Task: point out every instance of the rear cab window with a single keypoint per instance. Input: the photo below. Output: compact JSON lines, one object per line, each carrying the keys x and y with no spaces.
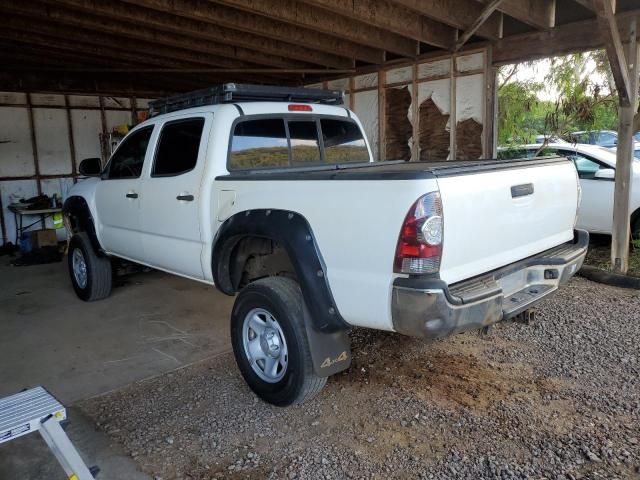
{"x":295,"y":141}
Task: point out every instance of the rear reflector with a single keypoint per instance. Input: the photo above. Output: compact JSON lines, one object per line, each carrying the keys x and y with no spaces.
{"x":300,"y":108}
{"x":419,"y":248}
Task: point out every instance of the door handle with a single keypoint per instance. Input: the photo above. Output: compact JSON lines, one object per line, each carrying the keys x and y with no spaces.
{"x":132,"y":195}
{"x":185,"y":198}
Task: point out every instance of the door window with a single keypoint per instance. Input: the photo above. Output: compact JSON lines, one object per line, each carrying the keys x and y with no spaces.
{"x":259,"y":144}
{"x":585,"y":166}
{"x":305,"y":146}
{"x":128,"y":159}
{"x":607,"y":138}
{"x":343,"y":141}
{"x":178,"y":147}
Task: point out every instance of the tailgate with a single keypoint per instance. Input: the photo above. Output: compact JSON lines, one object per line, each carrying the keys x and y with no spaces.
{"x":499,"y":214}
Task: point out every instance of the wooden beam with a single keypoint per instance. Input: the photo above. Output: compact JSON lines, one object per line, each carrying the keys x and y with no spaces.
{"x":49,"y":42}
{"x":313,"y":18}
{"x":91,"y":69}
{"x":459,"y":14}
{"x":109,"y":44}
{"x":588,"y":4}
{"x":613,"y":44}
{"x":75,"y":11}
{"x":37,"y":83}
{"x":561,"y":40}
{"x":537,"y":13}
{"x":386,"y":15}
{"x":621,"y":231}
{"x":218,"y":15}
{"x":487,"y":11}
{"x":129,"y":30}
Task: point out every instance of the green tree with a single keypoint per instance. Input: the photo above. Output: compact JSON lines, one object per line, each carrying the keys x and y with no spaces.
{"x":585,"y":99}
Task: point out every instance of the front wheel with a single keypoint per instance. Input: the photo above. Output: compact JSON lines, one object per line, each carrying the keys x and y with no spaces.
{"x":91,"y":275}
{"x":270,"y":342}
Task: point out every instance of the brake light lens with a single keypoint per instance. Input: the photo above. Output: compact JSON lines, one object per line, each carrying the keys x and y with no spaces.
{"x":300,"y":108}
{"x":419,"y":248}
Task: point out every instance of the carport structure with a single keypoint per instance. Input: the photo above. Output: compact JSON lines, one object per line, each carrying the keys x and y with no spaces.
{"x":419,"y":73}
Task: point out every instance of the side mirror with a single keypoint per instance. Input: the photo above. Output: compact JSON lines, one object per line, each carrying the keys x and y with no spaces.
{"x":90,"y":167}
{"x":605,"y":174}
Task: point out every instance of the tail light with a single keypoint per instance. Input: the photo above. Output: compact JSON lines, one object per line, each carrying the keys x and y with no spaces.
{"x":419,"y":247}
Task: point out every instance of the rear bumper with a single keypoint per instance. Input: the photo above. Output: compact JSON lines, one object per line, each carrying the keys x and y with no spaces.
{"x":429,"y":309}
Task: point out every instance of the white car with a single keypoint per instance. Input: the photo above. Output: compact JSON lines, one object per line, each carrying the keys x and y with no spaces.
{"x":596,"y":168}
{"x":271,"y":194}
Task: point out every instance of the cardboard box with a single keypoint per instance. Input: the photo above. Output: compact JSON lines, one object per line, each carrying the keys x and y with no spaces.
{"x":44,"y":238}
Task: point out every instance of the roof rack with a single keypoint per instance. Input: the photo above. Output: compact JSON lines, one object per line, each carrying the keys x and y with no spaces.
{"x":238,"y":92}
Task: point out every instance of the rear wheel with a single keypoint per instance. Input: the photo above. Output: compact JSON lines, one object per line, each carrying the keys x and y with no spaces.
{"x":270,"y":342}
{"x":91,"y":275}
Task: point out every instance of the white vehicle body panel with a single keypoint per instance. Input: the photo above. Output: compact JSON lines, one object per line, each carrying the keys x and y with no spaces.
{"x":485,"y":228}
{"x":356,"y":228}
{"x":595,"y":213}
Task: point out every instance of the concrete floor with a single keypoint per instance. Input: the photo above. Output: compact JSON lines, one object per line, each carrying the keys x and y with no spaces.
{"x":151,"y":324}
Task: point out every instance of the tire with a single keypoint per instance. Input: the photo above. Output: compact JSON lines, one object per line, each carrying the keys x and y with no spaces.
{"x":96,"y":282}
{"x":292,"y":380}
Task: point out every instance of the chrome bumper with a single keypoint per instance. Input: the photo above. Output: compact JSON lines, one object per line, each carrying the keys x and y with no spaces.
{"x":429,"y":309}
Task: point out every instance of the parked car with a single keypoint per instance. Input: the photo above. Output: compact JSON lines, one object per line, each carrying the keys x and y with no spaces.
{"x":281,"y":204}
{"x":540,"y":139}
{"x":603,"y":138}
{"x":636,"y":150}
{"x":596,"y":168}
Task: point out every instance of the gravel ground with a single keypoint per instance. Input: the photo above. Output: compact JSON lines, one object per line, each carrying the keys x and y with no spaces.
{"x":557,"y":399}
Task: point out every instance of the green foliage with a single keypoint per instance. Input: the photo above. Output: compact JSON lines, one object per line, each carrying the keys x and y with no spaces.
{"x":583,"y":103}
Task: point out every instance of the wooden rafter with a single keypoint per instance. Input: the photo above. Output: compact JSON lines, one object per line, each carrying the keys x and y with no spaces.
{"x":486,"y":12}
{"x":297,"y":13}
{"x":615,"y":51}
{"x":537,"y":13}
{"x":459,"y":14}
{"x":156,"y":13}
{"x":588,"y":4}
{"x":128,"y":30}
{"x":125,"y":19}
{"x":568,"y":38}
{"x":386,"y":15}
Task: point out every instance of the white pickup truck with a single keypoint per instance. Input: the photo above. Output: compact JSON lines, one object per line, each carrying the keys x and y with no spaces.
{"x":271,"y":194}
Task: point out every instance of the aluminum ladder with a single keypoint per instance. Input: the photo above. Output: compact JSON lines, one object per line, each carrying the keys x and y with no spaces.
{"x":37,"y":410}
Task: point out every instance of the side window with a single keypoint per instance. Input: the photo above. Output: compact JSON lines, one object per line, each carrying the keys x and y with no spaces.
{"x":305,"y":146}
{"x":178,"y":147}
{"x":586,"y":167}
{"x":607,"y":138}
{"x":259,"y":144}
{"x":128,"y":159}
{"x":343,"y":141}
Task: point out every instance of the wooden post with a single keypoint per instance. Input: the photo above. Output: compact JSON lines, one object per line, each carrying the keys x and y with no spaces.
{"x":621,"y":232}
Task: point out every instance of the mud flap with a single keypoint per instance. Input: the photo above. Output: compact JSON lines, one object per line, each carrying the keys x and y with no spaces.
{"x":330,"y":352}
